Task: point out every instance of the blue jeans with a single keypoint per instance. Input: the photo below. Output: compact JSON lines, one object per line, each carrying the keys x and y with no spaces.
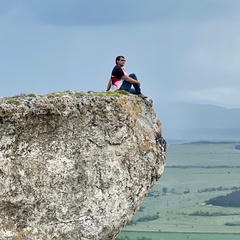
{"x":129,"y":87}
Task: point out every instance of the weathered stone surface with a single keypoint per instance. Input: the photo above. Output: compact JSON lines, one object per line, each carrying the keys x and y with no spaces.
{"x":73,"y":166}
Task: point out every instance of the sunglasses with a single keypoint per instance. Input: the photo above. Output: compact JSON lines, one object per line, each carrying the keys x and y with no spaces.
{"x":123,"y":60}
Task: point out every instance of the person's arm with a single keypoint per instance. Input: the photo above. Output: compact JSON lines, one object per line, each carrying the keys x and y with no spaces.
{"x":109,"y":84}
{"x":131,"y":80}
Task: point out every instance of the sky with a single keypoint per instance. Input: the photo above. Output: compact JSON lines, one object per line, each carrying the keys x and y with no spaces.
{"x":181,"y":50}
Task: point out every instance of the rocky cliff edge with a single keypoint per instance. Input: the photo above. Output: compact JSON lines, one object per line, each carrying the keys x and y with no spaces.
{"x":75,"y":165}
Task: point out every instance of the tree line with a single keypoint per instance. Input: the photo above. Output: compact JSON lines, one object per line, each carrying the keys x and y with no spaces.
{"x":128,"y":238}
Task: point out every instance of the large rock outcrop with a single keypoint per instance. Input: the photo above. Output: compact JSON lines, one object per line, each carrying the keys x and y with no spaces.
{"x":75,"y":165}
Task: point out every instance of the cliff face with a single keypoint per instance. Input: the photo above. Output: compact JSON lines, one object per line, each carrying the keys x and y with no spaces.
{"x":75,"y":165}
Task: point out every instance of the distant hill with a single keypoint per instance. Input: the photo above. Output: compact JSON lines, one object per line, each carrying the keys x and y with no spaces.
{"x":199,"y":122}
{"x":237,"y":147}
{"x":230,"y":200}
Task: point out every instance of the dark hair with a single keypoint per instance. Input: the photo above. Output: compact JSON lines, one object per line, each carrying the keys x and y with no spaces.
{"x":118,"y":58}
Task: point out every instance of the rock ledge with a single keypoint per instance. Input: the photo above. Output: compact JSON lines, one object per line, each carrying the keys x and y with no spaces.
{"x":75,"y":165}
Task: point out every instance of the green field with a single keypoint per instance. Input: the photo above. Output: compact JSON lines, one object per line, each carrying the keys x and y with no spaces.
{"x":179,"y":236}
{"x":193,"y":174}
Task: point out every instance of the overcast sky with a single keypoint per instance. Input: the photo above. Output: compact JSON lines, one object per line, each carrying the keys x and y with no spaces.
{"x":181,"y":50}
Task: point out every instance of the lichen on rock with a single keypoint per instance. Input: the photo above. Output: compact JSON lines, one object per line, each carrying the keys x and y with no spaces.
{"x":75,"y":165}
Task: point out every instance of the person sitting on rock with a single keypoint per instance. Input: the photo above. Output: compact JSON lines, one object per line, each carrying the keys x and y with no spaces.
{"x":120,"y":80}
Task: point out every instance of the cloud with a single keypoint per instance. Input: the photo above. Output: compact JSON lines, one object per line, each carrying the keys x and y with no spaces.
{"x":87,"y":12}
{"x":92,"y":12}
{"x":105,"y":12}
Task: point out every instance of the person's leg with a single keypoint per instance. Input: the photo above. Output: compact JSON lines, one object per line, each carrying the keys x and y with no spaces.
{"x":125,"y":86}
{"x":136,"y":89}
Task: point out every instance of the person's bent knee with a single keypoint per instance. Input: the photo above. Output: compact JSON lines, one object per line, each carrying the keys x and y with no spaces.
{"x":133,"y":75}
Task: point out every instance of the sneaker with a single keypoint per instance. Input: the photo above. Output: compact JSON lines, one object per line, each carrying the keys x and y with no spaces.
{"x":150,"y":102}
{"x":141,"y":95}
